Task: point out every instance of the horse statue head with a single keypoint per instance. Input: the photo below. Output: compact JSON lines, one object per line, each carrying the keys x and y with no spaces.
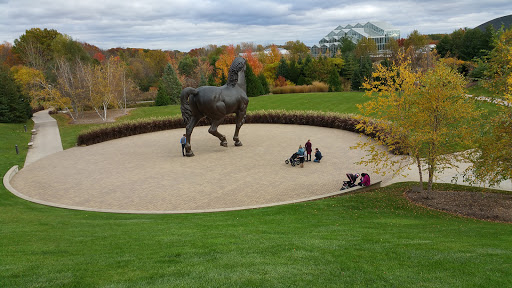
{"x":237,"y":66}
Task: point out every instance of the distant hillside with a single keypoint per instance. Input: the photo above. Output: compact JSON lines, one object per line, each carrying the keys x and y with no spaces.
{"x":496,"y":23}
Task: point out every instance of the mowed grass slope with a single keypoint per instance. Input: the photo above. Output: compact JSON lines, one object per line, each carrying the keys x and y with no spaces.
{"x":371,"y":239}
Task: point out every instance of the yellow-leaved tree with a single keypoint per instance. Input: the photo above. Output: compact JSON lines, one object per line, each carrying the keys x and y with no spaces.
{"x":422,"y":114}
{"x":493,"y":164}
{"x":41,"y":92}
{"x":107,"y":86}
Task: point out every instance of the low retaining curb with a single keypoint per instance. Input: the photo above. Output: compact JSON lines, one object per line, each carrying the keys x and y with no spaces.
{"x":8,"y":176}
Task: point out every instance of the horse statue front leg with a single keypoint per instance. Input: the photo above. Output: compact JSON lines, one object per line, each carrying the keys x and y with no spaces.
{"x":214,"y":132}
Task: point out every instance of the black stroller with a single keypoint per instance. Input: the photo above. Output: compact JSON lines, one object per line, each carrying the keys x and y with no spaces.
{"x":293,"y":160}
{"x":352,"y":178}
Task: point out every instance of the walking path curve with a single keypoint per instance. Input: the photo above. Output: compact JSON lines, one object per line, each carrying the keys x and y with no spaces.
{"x":47,"y":140}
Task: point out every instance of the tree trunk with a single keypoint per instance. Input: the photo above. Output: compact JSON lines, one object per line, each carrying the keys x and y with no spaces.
{"x":418,"y":161}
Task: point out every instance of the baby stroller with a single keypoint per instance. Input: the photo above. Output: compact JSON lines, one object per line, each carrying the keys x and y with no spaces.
{"x":293,"y":160}
{"x":352,"y":178}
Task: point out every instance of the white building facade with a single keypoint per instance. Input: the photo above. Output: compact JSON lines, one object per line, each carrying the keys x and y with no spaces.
{"x":380,"y":32}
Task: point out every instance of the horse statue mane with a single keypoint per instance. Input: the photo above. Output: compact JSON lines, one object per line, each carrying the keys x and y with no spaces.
{"x":237,"y":66}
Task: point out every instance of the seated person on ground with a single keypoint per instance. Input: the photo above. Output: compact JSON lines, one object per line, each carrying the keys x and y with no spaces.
{"x":365,"y":180}
{"x":318,"y":155}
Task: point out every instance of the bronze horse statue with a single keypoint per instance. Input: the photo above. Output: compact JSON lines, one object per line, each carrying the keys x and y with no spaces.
{"x":215,"y":103}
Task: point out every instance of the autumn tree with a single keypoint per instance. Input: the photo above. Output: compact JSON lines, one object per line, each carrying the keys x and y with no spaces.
{"x":420,"y":113}
{"x":416,"y":41}
{"x":256,"y":65}
{"x":74,"y":84}
{"x":7,"y":57}
{"x":42,"y":93}
{"x":203,"y":72}
{"x":106,"y":85}
{"x":35,"y":47}
{"x":224,"y":62}
{"x":187,"y":65}
{"x":297,"y":49}
{"x":365,"y":47}
{"x":493,"y":164}
{"x":63,"y":46}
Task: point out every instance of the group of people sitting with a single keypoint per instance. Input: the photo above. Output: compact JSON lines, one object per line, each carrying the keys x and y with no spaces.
{"x":352,"y":179}
{"x":306,"y":152}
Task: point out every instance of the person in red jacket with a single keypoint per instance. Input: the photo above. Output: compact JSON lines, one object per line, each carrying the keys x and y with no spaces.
{"x":365,"y":180}
{"x":308,"y":150}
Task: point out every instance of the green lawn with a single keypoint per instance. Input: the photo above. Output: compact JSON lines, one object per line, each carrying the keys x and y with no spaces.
{"x":480,"y":90}
{"x":375,"y":239}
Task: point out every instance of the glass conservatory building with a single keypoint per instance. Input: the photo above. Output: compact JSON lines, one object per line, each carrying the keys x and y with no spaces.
{"x":380,"y":32}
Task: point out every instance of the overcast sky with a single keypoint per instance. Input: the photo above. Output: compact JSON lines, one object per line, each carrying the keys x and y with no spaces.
{"x":184,"y":25}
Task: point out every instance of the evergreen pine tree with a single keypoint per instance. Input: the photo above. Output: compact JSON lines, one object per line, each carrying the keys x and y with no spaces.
{"x":334,"y":80}
{"x":363,"y":71}
{"x":349,"y":66}
{"x":306,"y":71}
{"x":162,"y":97}
{"x":223,"y":79}
{"x":169,"y":89}
{"x":264,"y":84}
{"x":294,"y":71}
{"x":14,"y":106}
{"x":254,"y":87}
{"x":283,"y":69}
{"x":202,"y":80}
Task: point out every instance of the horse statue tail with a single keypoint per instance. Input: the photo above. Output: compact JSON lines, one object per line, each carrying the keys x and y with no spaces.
{"x":186,"y":112}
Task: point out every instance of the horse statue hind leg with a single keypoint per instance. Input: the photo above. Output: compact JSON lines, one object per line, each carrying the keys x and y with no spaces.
{"x":191,"y":119}
{"x":240,"y":119}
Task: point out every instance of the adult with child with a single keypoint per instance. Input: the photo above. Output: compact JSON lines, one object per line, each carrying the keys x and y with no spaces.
{"x":308,"y":150}
{"x":318,"y":155}
{"x":301,"y":152}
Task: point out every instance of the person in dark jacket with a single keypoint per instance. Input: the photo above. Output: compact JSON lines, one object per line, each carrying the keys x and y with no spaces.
{"x":318,"y":155}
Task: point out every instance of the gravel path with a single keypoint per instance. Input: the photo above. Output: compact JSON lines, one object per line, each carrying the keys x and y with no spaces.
{"x":147,"y":173}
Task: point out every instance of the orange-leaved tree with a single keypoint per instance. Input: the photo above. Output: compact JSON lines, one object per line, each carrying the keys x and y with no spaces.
{"x":224,"y":62}
{"x":254,"y":62}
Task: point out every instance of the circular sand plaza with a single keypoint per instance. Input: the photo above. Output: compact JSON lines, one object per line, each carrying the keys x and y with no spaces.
{"x":148,"y":174}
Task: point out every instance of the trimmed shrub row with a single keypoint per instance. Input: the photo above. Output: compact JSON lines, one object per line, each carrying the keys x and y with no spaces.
{"x":346,"y":122}
{"x":315,"y":87}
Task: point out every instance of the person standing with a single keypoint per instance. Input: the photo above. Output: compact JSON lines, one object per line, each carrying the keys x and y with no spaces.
{"x":308,"y":150}
{"x":300,"y":152}
{"x":183,"y":141}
